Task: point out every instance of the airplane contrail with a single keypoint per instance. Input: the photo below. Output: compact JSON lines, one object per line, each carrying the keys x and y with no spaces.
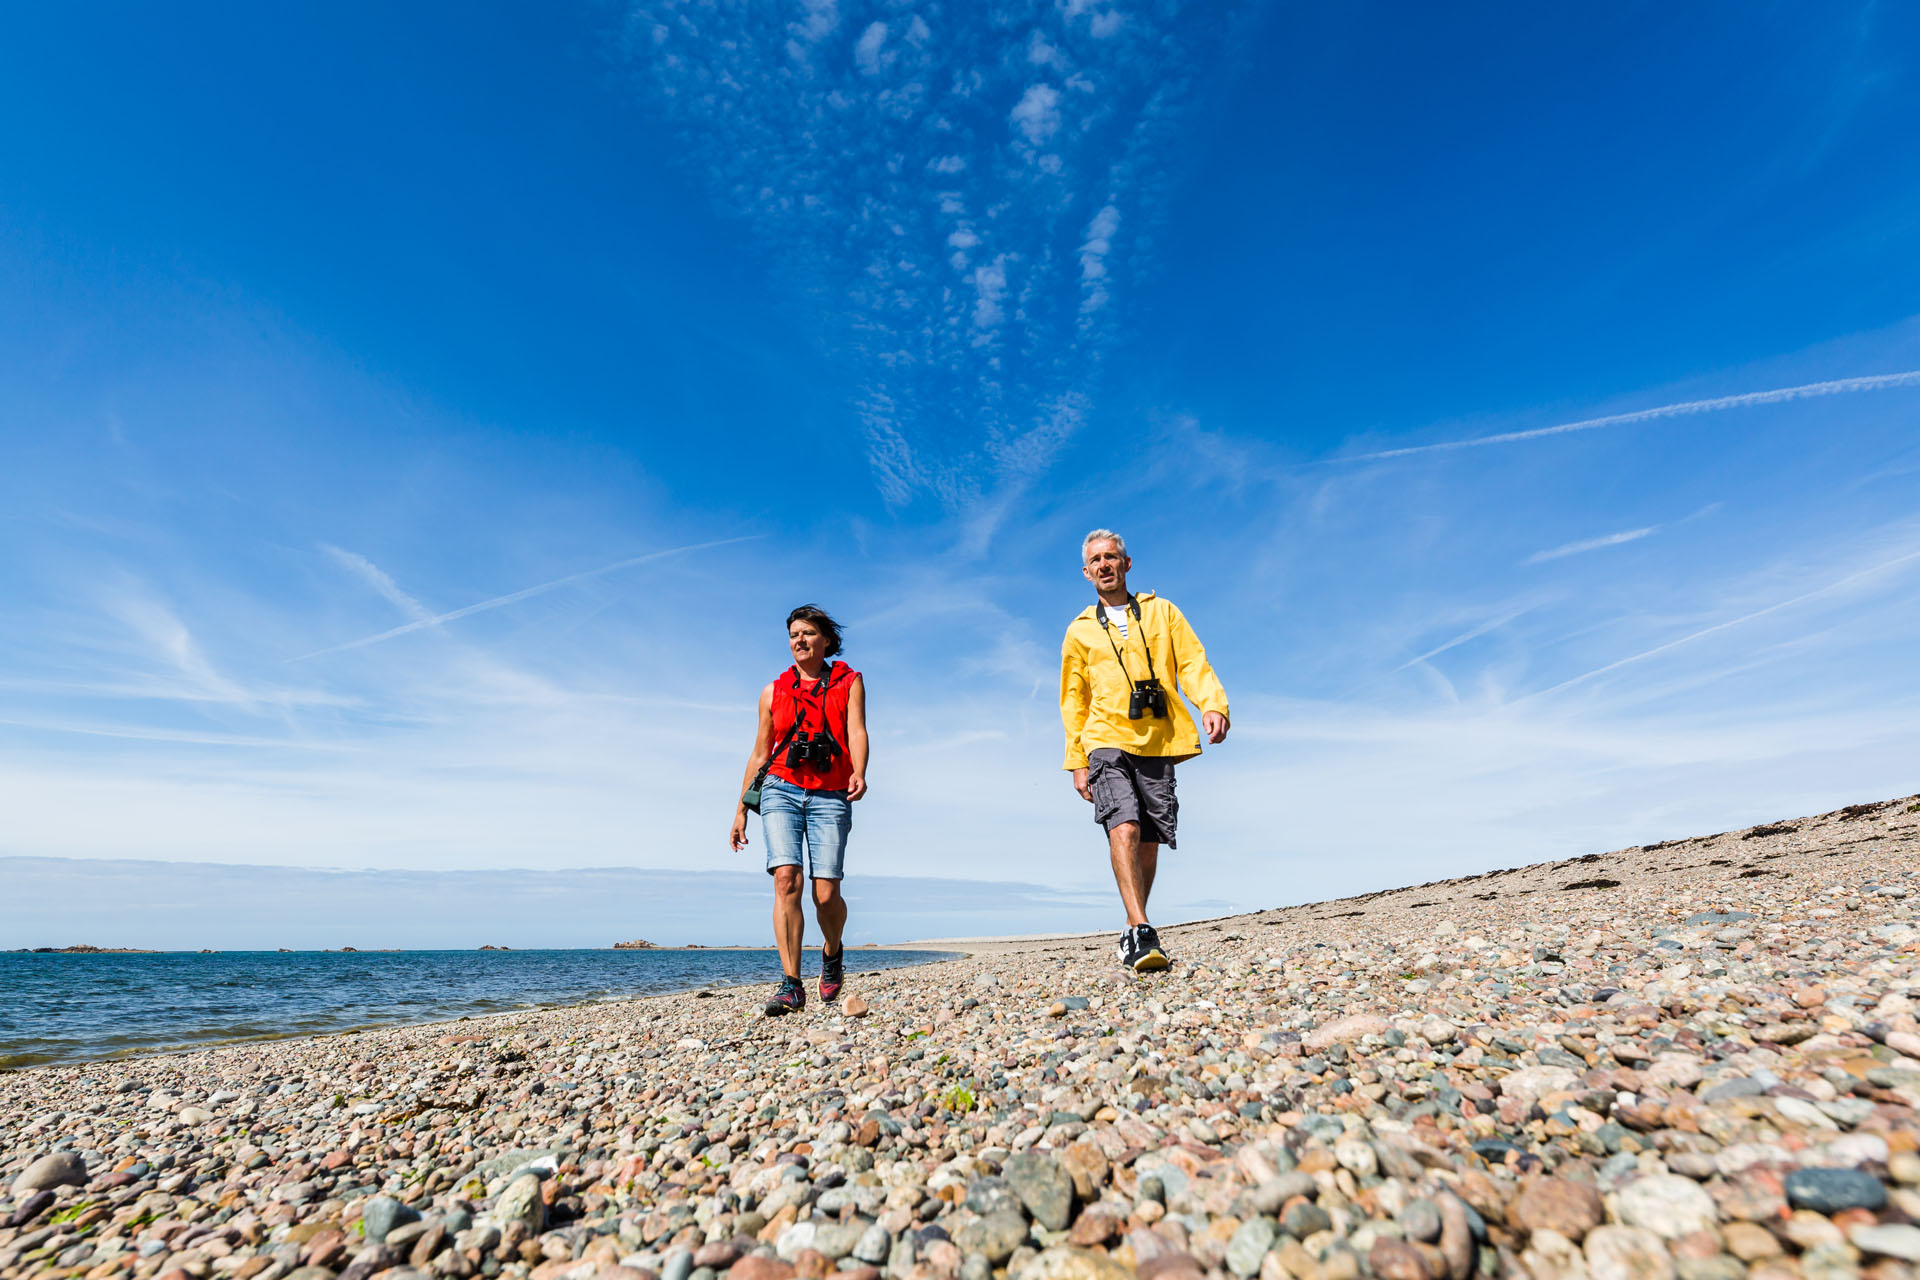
{"x":1806,"y":391}
{"x":514,"y":597}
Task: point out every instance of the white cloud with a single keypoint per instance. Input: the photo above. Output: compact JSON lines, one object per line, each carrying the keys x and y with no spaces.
{"x":949,"y":243}
{"x":866,"y":51}
{"x":1680,"y":409}
{"x":822,"y":17}
{"x":378,"y":579}
{"x":1037,"y":114}
{"x":1590,"y":544}
{"x":990,"y":289}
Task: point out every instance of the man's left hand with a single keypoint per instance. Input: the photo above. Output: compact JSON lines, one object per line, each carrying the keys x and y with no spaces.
{"x":856,"y":787}
{"x":1215,"y":726}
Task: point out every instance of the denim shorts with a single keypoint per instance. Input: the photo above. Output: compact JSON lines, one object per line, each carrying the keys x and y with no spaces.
{"x":791,"y":816}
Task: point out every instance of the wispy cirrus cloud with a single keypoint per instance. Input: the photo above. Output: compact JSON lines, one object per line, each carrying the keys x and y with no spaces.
{"x":1679,"y":409}
{"x":963,"y":188}
{"x":1590,"y":544}
{"x":370,"y":573}
{"x":1858,"y":578}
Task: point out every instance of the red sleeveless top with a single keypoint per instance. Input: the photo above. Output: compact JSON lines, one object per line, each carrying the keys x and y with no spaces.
{"x":817,"y":704}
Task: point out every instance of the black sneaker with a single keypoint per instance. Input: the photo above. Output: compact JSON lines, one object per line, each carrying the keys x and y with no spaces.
{"x":833,"y":974}
{"x":790,"y":998}
{"x":1139,"y":950}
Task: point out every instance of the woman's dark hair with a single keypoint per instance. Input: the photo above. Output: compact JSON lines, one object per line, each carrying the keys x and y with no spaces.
{"x":822,"y":622}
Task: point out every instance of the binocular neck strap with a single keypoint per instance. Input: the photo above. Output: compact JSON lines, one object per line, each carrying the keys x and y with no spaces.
{"x":1100,"y":612}
{"x":820,"y":693}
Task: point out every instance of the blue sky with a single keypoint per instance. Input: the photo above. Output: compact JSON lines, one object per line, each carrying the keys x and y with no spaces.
{"x":415,"y":425}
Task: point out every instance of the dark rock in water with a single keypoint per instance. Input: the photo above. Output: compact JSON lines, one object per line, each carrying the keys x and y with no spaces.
{"x":1831,"y":1190}
{"x":382,"y":1214}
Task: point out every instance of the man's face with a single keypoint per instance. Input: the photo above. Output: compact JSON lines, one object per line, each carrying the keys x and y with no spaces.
{"x":1106,"y":566}
{"x":805,"y":640}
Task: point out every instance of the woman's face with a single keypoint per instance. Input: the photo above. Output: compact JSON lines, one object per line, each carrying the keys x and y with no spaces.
{"x":805,"y":641}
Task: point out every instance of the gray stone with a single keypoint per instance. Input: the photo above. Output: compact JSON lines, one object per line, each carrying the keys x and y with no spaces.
{"x":380,"y":1215}
{"x":990,"y":1195}
{"x":1043,"y":1186}
{"x":1304,"y":1219}
{"x":837,"y":1240}
{"x":1738,"y":1087}
{"x":1899,"y":1241}
{"x":1249,"y":1245}
{"x":995,"y":1235}
{"x":1274,"y":1192}
{"x":1666,"y":1204}
{"x":1831,"y":1190}
{"x":1626,"y":1253}
{"x":679,"y":1265}
{"x":59,"y":1169}
{"x":1421,"y":1220}
{"x":1718,"y":917}
{"x":521,"y":1202}
{"x":874,"y":1246}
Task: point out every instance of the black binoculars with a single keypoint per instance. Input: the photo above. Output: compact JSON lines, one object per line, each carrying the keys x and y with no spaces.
{"x":1148,"y":699}
{"x":814,"y":749}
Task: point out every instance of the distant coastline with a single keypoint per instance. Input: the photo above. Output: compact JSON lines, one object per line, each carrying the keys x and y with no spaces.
{"x":82,"y":949}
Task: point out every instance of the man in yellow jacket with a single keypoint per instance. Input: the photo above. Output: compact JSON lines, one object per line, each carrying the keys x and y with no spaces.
{"x":1123,"y":666}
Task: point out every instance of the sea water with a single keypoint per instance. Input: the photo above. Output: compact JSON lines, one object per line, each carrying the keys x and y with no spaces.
{"x":74,"y":1007}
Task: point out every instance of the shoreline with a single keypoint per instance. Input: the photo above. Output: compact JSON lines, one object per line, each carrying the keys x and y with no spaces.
{"x":1694,"y":1060}
{"x":708,"y":988}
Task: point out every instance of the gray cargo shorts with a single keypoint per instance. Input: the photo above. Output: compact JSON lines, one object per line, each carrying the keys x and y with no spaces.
{"x":1130,"y":788}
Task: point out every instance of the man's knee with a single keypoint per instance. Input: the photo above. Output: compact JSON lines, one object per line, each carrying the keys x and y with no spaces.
{"x":787,"y":882}
{"x":826,"y":892}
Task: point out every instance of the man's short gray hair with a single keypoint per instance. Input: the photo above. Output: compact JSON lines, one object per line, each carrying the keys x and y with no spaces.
{"x":1101,"y":535}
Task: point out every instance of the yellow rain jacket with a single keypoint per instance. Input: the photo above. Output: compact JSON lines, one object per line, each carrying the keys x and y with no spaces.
{"x":1094,"y":690}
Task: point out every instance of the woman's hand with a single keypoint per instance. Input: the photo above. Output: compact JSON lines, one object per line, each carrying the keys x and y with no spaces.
{"x":856,"y":787}
{"x":739,"y":836}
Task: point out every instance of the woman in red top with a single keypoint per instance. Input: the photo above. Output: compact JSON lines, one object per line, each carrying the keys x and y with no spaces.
{"x":810,"y":757}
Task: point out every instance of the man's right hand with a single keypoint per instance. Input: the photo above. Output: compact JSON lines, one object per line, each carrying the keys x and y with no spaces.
{"x":1080,"y":784}
{"x":739,"y":836}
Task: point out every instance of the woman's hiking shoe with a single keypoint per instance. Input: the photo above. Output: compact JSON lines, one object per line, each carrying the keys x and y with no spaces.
{"x":1140,"y":950}
{"x":790,"y":998}
{"x":833,"y":973}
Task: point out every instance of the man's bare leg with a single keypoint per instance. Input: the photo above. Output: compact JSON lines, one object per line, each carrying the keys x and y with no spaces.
{"x":830,"y":909}
{"x":790,"y":918}
{"x":1134,"y":863}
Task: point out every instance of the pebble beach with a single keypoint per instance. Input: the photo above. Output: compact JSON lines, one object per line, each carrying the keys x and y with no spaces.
{"x":1696,"y":1060}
